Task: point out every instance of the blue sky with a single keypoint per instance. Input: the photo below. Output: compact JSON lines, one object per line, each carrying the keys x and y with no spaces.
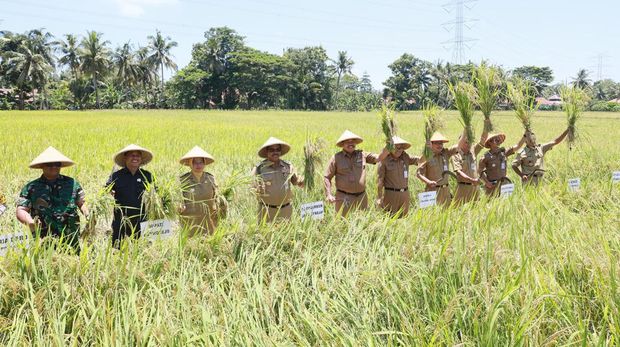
{"x":563,"y":35}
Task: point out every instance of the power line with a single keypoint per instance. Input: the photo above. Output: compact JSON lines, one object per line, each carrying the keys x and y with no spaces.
{"x":458,"y":25}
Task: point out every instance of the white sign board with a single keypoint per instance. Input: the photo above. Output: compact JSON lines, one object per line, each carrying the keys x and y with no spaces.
{"x":427,"y":199}
{"x":615,"y":177}
{"x":2,"y":209}
{"x":507,"y":189}
{"x":156,"y":229}
{"x":574,"y":184}
{"x":11,"y":241}
{"x":316,"y":210}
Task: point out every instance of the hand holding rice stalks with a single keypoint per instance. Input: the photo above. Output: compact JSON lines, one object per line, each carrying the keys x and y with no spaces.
{"x":388,"y":125}
{"x":432,"y":123}
{"x":487,"y":81}
{"x":313,"y":150}
{"x":160,"y":197}
{"x":574,"y":101}
{"x":464,"y":95}
{"x":523,"y":98}
{"x":99,"y":208}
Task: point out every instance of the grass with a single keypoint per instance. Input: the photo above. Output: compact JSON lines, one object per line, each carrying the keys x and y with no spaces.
{"x":538,"y":268}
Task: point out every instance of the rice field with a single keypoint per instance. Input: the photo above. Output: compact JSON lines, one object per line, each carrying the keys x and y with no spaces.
{"x":538,"y":268}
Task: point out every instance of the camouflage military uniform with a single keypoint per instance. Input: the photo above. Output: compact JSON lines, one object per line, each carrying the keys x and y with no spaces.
{"x":54,"y":204}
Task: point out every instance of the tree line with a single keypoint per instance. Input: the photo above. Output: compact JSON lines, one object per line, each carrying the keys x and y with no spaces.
{"x":40,"y":71}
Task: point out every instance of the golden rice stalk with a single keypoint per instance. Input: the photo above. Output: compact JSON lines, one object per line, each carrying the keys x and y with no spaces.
{"x":487,"y":82}
{"x":464,"y":95}
{"x":160,"y":198}
{"x":313,"y":150}
{"x":388,"y":125}
{"x":523,"y":98}
{"x":432,"y":123}
{"x":574,"y":101}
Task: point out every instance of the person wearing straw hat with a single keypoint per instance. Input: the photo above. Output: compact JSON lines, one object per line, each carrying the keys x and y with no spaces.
{"x":466,"y":168}
{"x":432,"y":171}
{"x":529,"y":163}
{"x":393,"y":178}
{"x":199,"y":210}
{"x":127,"y":186}
{"x":49,"y":205}
{"x":492,"y":166}
{"x":349,"y":169}
{"x":274,"y":178}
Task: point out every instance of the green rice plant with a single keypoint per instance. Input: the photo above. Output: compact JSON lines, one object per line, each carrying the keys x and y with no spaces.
{"x":487,"y":82}
{"x":522,"y":95}
{"x":432,"y":122}
{"x":388,"y":124}
{"x":313,"y":153}
{"x":161,"y":198}
{"x":465,"y":97}
{"x":574,"y":101}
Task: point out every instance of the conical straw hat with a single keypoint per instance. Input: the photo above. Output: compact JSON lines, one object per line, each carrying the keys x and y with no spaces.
{"x":438,"y":137}
{"x":50,"y":155}
{"x":399,"y":141}
{"x":119,"y":157}
{"x":347,"y":135}
{"x":262,"y":152}
{"x":196,"y":152}
{"x":491,"y":137}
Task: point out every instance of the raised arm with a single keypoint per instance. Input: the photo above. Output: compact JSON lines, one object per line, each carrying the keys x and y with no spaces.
{"x":512,"y":150}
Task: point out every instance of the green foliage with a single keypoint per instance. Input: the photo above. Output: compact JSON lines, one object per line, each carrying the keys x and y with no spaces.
{"x":537,"y":77}
{"x":313,"y":154}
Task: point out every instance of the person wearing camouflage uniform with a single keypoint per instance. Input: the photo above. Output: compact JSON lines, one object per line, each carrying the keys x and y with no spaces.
{"x":49,"y":205}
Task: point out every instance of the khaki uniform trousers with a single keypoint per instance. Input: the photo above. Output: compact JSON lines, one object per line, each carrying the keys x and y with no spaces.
{"x":394,"y":201}
{"x":348,"y":202}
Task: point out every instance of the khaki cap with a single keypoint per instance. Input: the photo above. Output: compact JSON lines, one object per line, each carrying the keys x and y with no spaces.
{"x":347,"y":135}
{"x":196,"y":152}
{"x":399,"y":141}
{"x":438,"y":137}
{"x":491,"y":137}
{"x":50,"y":155}
{"x":262,"y":152}
{"x":119,"y":159}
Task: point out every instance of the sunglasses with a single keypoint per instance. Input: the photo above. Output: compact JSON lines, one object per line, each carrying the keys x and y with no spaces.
{"x":57,"y":164}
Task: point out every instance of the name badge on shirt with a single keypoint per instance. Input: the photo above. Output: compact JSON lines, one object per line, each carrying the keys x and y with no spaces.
{"x":503,"y":165}
{"x":473,"y":166}
{"x":406,"y":174}
{"x":445,"y":167}
{"x":139,"y":180}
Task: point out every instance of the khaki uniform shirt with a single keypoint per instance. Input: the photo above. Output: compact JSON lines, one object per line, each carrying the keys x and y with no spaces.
{"x":350,"y":170}
{"x":493,"y":165}
{"x":466,"y":162}
{"x":531,"y":159}
{"x":394,"y":173}
{"x":434,"y":167}
{"x":274,"y":182}
{"x":198,"y":194}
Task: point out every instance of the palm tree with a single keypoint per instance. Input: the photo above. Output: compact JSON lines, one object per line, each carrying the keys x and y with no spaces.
{"x":146,"y":71}
{"x":70,"y":54}
{"x":32,"y":60}
{"x":160,"y":53}
{"x":343,"y":65}
{"x":94,"y":56}
{"x":125,"y":64}
{"x":581,"y":80}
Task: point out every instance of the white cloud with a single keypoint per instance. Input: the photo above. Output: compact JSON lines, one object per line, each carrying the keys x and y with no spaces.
{"x":136,"y":8}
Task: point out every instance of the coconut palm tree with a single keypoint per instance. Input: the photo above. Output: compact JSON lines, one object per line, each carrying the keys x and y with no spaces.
{"x":343,"y":65}
{"x":70,"y":54}
{"x":582,"y":79}
{"x":160,"y":56}
{"x":126,"y":65}
{"x":146,"y":71}
{"x":94,"y":59}
{"x":32,"y":61}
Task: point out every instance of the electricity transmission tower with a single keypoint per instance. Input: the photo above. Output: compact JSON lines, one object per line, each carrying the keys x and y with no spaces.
{"x":459,"y":42}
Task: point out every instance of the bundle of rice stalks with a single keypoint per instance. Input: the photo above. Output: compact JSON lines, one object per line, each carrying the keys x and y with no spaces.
{"x":388,"y":125}
{"x":464,"y":95}
{"x":313,"y":150}
{"x":160,"y":198}
{"x":574,"y":101}
{"x":523,"y":98}
{"x":100,"y":207}
{"x":237,"y":178}
{"x":432,"y":123}
{"x":487,"y":82}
